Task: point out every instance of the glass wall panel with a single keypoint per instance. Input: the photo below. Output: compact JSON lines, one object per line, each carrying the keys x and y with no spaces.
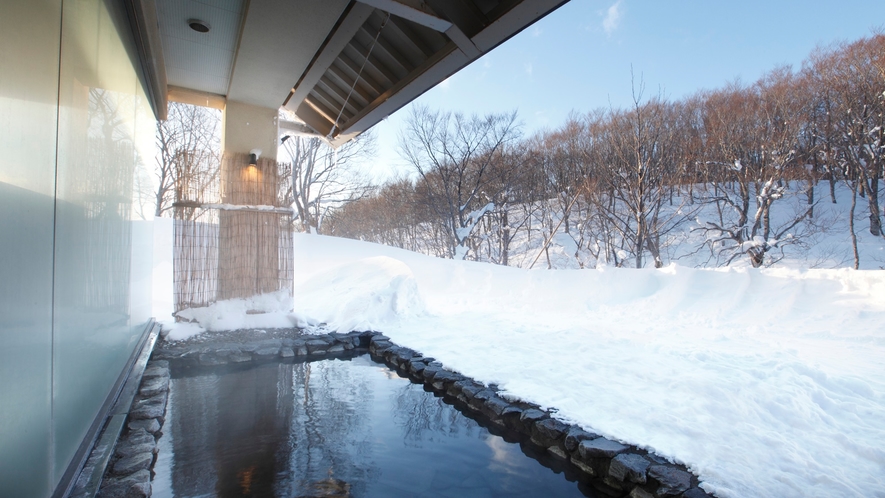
{"x":94,"y":334}
{"x":76,"y":132}
{"x":29,"y":57}
{"x":142,"y":213}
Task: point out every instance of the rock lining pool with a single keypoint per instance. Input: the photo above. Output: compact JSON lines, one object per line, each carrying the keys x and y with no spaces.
{"x":278,"y":412}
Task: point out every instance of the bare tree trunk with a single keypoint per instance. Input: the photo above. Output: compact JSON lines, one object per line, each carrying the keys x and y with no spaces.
{"x":851,"y":226}
{"x":873,"y":201}
{"x":505,"y":239}
{"x":810,"y":195}
{"x":832,"y":189}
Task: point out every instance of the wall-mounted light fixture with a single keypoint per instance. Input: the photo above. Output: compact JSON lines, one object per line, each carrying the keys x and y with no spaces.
{"x":198,"y":25}
{"x":254,"y":154}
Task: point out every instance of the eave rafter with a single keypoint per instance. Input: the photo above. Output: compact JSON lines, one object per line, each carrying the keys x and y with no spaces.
{"x":385,"y":53}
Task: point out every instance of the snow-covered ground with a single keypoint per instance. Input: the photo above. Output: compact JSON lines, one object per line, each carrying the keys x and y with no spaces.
{"x":764,"y":382}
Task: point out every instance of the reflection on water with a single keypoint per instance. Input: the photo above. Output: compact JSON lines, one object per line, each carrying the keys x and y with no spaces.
{"x":331,"y":428}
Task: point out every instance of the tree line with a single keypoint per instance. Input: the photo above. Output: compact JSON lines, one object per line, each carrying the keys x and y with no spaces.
{"x":617,"y":185}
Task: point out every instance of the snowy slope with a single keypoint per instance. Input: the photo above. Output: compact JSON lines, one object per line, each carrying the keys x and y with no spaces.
{"x":822,"y":241}
{"x":765,"y":382}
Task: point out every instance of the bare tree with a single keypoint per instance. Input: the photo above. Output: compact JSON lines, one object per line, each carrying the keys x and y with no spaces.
{"x":854,"y":77}
{"x":753,"y":150}
{"x":189,"y":153}
{"x":637,"y":149}
{"x":322,"y":177}
{"x":454,"y":157}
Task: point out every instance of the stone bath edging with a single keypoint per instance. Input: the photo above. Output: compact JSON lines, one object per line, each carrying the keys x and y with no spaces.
{"x":611,"y":468}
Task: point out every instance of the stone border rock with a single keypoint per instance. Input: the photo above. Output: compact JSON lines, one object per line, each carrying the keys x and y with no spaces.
{"x":611,"y":468}
{"x":226,"y":351}
{"x":129,"y":471}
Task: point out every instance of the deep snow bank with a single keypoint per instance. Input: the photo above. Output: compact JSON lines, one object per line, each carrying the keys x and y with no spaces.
{"x":366,"y":294}
{"x":765,"y":382}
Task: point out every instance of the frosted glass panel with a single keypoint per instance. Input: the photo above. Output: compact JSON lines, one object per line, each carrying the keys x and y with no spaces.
{"x":28,"y":96}
{"x":76,"y":133}
{"x":26,"y":333}
{"x":94,"y":333}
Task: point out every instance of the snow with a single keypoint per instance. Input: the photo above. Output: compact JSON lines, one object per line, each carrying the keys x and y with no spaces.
{"x":765,"y":382}
{"x":249,"y":207}
{"x":367,"y":294}
{"x":262,"y":311}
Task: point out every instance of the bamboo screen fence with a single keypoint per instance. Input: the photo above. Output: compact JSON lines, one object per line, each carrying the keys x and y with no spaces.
{"x":233,"y":238}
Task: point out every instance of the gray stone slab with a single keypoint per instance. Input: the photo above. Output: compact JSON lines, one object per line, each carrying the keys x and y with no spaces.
{"x":379,"y":347}
{"x":548,"y":432}
{"x":511,"y":411}
{"x":575,"y":435}
{"x":138,"y":436}
{"x":144,"y":411}
{"x":154,"y":386}
{"x":240,"y":357}
{"x":640,"y":493}
{"x":430,"y":372}
{"x":629,"y":467}
{"x":316,"y":346}
{"x":417,"y":367}
{"x":150,"y":425}
{"x":446,"y":377}
{"x":479,"y":399}
{"x":155,"y":371}
{"x":131,"y":464}
{"x":496,"y":406}
{"x":672,"y":481}
{"x":600,"y":448}
{"x":532,"y":415}
{"x":267,"y":352}
{"x":126,"y":450}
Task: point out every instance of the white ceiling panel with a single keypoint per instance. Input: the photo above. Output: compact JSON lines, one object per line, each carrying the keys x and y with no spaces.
{"x":200,"y":61}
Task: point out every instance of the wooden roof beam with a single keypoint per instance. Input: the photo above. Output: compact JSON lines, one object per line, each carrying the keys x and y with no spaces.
{"x":349,"y":26}
{"x":406,"y":33}
{"x":416,"y":11}
{"x":391,"y":51}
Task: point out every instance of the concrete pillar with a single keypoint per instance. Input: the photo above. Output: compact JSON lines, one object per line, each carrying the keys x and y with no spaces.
{"x":249,"y":241}
{"x":248,"y":127}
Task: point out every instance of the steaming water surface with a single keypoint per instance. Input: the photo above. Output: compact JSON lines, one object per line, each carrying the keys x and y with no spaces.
{"x":332,"y":428}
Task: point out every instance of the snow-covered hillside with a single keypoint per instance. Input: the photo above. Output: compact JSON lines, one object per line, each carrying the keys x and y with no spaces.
{"x":818,"y":241}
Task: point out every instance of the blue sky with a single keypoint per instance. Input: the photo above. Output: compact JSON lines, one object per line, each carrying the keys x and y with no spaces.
{"x":580,"y":57}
